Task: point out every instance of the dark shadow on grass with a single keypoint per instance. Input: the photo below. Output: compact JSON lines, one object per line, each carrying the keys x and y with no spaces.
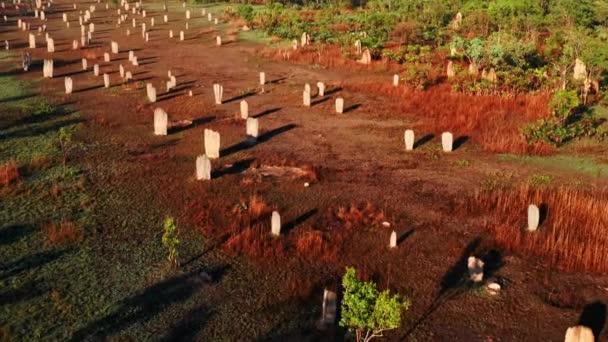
{"x":17,"y":98}
{"x":243,"y":145}
{"x":33,"y":131}
{"x":23,"y":293}
{"x":238,"y":167}
{"x":594,"y":317}
{"x":142,"y":307}
{"x":332,"y":91}
{"x":266,"y":112}
{"x":352,"y":108}
{"x":195,"y":123}
{"x":543,"y":209}
{"x":425,"y":139}
{"x":319,"y":101}
{"x":191,"y":324}
{"x":164,"y":144}
{"x":493,"y":262}
{"x":272,"y":133}
{"x":459,"y":142}
{"x":14,"y":233}
{"x":289,"y":226}
{"x":240,"y":97}
{"x":77,"y":72}
{"x":454,"y":277}
{"x":276,"y":80}
{"x":453,"y":283}
{"x":240,"y":146}
{"x":12,"y":72}
{"x":82,"y":90}
{"x":405,"y":236}
{"x":40,"y":118}
{"x":30,"y":262}
{"x":168,"y":96}
{"x":146,"y":63}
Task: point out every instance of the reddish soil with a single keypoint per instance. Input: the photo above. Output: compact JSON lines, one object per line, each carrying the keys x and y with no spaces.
{"x":352,"y":159}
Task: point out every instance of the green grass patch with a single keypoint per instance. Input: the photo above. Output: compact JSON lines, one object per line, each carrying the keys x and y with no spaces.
{"x":46,"y":286}
{"x":260,"y":37}
{"x":575,"y":164}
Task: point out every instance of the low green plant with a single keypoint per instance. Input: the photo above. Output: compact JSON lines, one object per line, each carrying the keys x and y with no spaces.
{"x":171,"y":240}
{"x":557,"y":133}
{"x":540,"y":180}
{"x":367,"y":311}
{"x":66,"y":145}
{"x":568,"y":121}
{"x":497,"y":181}
{"x":463,"y":162}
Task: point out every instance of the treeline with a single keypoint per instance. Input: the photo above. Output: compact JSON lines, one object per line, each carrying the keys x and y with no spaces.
{"x":501,"y":47}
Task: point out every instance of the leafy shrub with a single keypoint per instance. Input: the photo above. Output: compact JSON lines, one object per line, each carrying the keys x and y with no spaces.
{"x":246,"y":12}
{"x":565,"y":124}
{"x":558,"y":133}
{"x":418,"y":76}
{"x":368,"y":311}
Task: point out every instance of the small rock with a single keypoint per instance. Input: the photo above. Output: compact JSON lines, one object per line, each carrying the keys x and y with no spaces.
{"x":386,"y":224}
{"x":494,"y":288}
{"x":205,"y":277}
{"x":306,"y":185}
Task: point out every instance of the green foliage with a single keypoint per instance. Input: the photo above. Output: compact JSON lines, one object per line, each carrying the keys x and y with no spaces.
{"x":246,"y":12}
{"x":595,"y":55}
{"x":171,"y":241}
{"x":559,"y":129}
{"x":377,"y":27}
{"x":418,"y":76}
{"x":463,"y":162}
{"x":562,"y":103}
{"x":505,"y":51}
{"x":368,"y":311}
{"x":410,"y":54}
{"x":540,"y":180}
{"x":473,"y":49}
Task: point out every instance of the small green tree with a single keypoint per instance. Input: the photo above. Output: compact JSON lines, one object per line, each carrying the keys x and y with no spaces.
{"x":171,"y":241}
{"x":246,"y":12}
{"x":367,"y":311}
{"x":66,"y":145}
{"x":562,"y":103}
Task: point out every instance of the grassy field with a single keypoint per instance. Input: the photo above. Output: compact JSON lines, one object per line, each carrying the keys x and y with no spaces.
{"x":50,"y":284}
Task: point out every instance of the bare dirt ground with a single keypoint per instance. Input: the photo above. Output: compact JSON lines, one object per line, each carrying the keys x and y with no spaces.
{"x":355,"y":158}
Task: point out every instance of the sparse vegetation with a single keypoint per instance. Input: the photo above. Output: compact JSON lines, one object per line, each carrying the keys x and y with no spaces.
{"x":171,"y":240}
{"x":9,"y":173}
{"x":64,"y":232}
{"x":571,"y":235}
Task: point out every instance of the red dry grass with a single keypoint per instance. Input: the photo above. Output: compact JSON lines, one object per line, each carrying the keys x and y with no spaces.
{"x":9,"y":173}
{"x":62,"y":232}
{"x":315,"y":245}
{"x":40,"y":162}
{"x":573,"y":236}
{"x":298,"y":287}
{"x":257,"y":243}
{"x":363,"y":216}
{"x":494,"y":122}
{"x":257,"y":207}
